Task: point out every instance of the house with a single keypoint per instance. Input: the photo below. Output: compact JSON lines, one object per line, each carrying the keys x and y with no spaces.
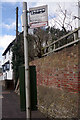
{"x":7,"y":64}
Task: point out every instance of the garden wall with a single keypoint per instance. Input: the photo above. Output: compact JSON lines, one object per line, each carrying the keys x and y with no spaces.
{"x":58,"y":83}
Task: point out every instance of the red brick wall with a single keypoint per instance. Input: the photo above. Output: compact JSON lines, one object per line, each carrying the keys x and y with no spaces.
{"x":60,"y":69}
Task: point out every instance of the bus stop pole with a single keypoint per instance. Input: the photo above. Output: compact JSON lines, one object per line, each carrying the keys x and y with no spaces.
{"x":27,"y":80}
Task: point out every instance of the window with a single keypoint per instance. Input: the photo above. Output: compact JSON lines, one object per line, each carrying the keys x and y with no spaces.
{"x":7,"y":65}
{"x":9,"y":51}
{"x":4,"y":68}
{"x":5,"y":56}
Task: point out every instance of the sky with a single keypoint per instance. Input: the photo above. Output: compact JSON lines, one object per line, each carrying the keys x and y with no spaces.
{"x":8,"y":16}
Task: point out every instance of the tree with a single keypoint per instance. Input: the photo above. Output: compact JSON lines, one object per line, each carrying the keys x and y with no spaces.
{"x":17,"y":57}
{"x":64,"y":19}
{"x":40,"y":40}
{"x":56,"y":33}
{"x":18,"y":54}
{"x":31,"y":47}
{"x":36,"y":44}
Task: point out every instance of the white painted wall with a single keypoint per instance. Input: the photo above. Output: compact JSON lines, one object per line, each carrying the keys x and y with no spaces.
{"x":8,"y":74}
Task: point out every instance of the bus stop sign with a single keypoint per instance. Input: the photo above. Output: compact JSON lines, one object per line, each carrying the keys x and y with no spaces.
{"x":38,"y":16}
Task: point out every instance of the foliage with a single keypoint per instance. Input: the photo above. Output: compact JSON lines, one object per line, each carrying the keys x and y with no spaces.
{"x":18,"y":54}
{"x":41,"y":39}
{"x":56,"y":33}
{"x":36,"y":43}
{"x":18,"y":57}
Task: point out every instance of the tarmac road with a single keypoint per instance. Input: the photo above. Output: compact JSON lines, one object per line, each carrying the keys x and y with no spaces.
{"x":11,"y":107}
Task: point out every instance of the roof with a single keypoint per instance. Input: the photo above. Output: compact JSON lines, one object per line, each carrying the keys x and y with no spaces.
{"x":10,"y":45}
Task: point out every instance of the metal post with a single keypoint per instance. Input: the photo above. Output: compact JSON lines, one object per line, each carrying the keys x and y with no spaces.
{"x":16,"y":24}
{"x":16,"y":42}
{"x":27,"y":80}
{"x":79,"y":19}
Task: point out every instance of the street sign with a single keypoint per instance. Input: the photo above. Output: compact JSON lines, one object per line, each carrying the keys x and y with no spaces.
{"x":38,"y":16}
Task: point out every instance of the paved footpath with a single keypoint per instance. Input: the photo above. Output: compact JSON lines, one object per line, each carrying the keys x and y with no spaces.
{"x":11,"y":107}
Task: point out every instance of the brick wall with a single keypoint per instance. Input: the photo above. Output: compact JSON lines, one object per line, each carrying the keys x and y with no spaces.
{"x":59,"y":71}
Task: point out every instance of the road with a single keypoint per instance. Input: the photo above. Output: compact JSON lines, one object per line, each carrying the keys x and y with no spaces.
{"x":11,"y":107}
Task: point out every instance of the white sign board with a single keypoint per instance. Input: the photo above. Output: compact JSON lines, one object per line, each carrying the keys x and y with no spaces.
{"x":38,"y":16}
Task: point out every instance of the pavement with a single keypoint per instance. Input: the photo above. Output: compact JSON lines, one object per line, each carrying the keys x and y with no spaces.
{"x":11,"y":107}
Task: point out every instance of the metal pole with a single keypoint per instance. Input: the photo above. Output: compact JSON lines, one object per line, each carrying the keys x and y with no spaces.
{"x":27,"y":80}
{"x":16,"y":24}
{"x":79,"y":18}
{"x":16,"y":42}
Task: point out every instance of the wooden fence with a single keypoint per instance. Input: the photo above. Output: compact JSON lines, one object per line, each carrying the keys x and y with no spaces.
{"x":65,"y":41}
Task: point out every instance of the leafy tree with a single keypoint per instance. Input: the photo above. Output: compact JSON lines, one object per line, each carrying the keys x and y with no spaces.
{"x":56,"y":33}
{"x":18,"y":56}
{"x":36,"y":43}
{"x":40,"y":40}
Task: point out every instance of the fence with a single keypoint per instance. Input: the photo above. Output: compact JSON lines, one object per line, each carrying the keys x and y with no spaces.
{"x":58,"y":78}
{"x":65,"y":41}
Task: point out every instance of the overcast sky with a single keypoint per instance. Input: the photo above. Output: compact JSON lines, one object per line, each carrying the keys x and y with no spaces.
{"x":8,"y":16}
